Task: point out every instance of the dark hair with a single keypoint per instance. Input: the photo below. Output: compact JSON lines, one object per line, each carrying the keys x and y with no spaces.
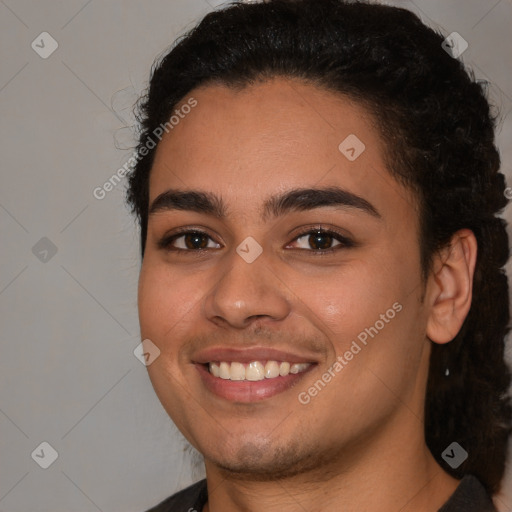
{"x":439,"y":131}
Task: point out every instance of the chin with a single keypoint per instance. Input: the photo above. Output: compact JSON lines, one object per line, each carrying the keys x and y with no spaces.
{"x":263,"y":461}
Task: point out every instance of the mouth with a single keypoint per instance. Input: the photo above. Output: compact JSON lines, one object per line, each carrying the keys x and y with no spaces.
{"x":255,"y":370}
{"x":252,"y":375}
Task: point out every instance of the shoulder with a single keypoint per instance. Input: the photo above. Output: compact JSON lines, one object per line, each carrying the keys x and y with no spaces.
{"x":190,"y":499}
{"x":470,"y":496}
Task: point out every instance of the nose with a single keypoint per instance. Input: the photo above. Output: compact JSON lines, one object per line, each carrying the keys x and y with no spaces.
{"x":245,"y":293}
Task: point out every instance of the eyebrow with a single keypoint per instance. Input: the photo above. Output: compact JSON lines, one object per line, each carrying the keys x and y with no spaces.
{"x":299,"y":199}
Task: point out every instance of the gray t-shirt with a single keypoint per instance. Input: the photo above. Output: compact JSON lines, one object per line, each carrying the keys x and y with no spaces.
{"x":470,"y":496}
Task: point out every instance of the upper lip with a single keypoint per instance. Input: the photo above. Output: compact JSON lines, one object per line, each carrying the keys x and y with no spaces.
{"x":247,"y":355}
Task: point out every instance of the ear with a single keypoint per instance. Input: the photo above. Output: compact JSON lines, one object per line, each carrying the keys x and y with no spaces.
{"x":450,"y":286}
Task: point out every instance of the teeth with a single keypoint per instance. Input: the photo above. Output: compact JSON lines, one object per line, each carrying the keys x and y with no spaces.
{"x":298,"y":367}
{"x":224,"y":371}
{"x":255,"y":370}
{"x":271,"y":369}
{"x":237,"y":372}
{"x":284,"y":369}
{"x":214,"y":369}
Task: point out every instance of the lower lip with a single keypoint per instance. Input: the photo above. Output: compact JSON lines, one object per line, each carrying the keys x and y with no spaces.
{"x":248,"y":391}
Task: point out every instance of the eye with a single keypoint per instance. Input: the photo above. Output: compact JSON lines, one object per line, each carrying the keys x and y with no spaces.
{"x":321,"y":241}
{"x":192,"y":240}
{"x":317,"y":241}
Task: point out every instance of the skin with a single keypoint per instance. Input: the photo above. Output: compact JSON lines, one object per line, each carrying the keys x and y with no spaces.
{"x":359,"y":443}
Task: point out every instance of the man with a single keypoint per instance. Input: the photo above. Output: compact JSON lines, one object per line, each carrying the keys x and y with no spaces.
{"x":322,"y":281}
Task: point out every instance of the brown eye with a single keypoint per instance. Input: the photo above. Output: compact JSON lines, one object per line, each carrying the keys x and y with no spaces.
{"x":321,"y":241}
{"x":193,"y":241}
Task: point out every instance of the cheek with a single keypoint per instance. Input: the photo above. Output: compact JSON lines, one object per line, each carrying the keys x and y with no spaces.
{"x":165,"y":299}
{"x":369,"y":314}
{"x":163,"y":307}
{"x":345,"y":302}
{"x":153,"y":303}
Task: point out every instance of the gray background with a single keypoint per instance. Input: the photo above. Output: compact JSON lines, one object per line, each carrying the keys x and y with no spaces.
{"x":69,"y":324}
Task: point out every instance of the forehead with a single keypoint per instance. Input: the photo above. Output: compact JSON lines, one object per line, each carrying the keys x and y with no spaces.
{"x":270,"y":137}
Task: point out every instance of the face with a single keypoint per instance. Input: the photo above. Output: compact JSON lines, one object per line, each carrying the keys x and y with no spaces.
{"x":281,"y":280}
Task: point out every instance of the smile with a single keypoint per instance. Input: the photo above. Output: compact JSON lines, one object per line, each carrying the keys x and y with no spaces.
{"x":255,"y":370}
{"x":251,"y":382}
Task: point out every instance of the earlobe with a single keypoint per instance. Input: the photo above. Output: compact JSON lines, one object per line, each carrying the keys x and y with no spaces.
{"x":450,"y":287}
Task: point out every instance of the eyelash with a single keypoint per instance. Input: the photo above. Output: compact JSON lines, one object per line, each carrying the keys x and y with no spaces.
{"x":345,"y":243}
